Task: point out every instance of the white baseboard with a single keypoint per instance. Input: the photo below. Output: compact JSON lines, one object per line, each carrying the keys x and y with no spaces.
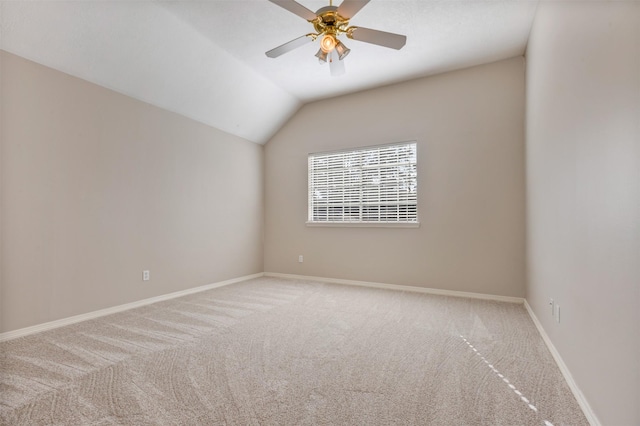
{"x":577,"y":393}
{"x":108,"y":311}
{"x":401,"y":288}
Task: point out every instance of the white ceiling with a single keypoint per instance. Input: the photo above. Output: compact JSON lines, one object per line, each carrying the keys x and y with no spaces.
{"x":205,"y":59}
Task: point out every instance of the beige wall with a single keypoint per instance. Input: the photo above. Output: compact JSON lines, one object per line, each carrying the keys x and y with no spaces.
{"x":97,"y":186}
{"x":583,"y":173}
{"x":469,"y":126}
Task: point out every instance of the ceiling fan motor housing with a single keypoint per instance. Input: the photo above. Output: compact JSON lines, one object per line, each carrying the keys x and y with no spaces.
{"x":328,"y":21}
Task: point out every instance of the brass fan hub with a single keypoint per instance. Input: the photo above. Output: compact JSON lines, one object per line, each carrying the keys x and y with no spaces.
{"x":328,"y":21}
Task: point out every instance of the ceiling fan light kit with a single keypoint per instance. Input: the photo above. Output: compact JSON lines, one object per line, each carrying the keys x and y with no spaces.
{"x":330,"y":22}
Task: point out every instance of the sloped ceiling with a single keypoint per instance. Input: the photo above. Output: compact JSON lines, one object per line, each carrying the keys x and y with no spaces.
{"x":205,"y":59}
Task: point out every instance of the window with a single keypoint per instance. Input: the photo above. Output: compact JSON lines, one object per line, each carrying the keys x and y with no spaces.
{"x":372,"y":185}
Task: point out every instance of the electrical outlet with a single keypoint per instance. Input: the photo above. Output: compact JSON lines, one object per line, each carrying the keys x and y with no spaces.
{"x":553,"y":309}
{"x":146,"y":276}
{"x":557,"y":313}
{"x":300,"y":259}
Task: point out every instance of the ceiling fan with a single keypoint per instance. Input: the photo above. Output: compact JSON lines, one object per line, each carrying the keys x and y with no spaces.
{"x":329,"y":23}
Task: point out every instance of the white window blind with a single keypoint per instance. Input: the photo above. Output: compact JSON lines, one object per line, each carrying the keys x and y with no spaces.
{"x":375,"y":184}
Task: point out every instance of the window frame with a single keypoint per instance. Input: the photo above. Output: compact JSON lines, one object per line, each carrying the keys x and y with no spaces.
{"x":412,"y":223}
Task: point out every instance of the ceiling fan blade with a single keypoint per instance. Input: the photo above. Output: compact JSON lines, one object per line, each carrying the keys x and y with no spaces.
{"x":289,"y":46}
{"x":348,"y":8}
{"x":381,"y":38}
{"x":296,"y":8}
{"x":336,"y":66}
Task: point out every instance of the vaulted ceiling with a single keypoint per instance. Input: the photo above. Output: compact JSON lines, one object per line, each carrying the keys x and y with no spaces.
{"x":206,"y":59}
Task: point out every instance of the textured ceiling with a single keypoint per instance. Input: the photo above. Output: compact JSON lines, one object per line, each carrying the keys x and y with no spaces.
{"x":205,"y":59}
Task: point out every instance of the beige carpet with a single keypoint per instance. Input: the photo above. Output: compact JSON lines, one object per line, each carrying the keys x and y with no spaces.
{"x":284,"y":352}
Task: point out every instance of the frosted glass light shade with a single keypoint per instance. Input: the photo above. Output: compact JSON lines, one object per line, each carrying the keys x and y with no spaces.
{"x":342,"y":50}
{"x":327,"y":43}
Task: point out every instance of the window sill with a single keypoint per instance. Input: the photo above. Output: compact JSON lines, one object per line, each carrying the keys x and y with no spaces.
{"x":364,"y":224}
